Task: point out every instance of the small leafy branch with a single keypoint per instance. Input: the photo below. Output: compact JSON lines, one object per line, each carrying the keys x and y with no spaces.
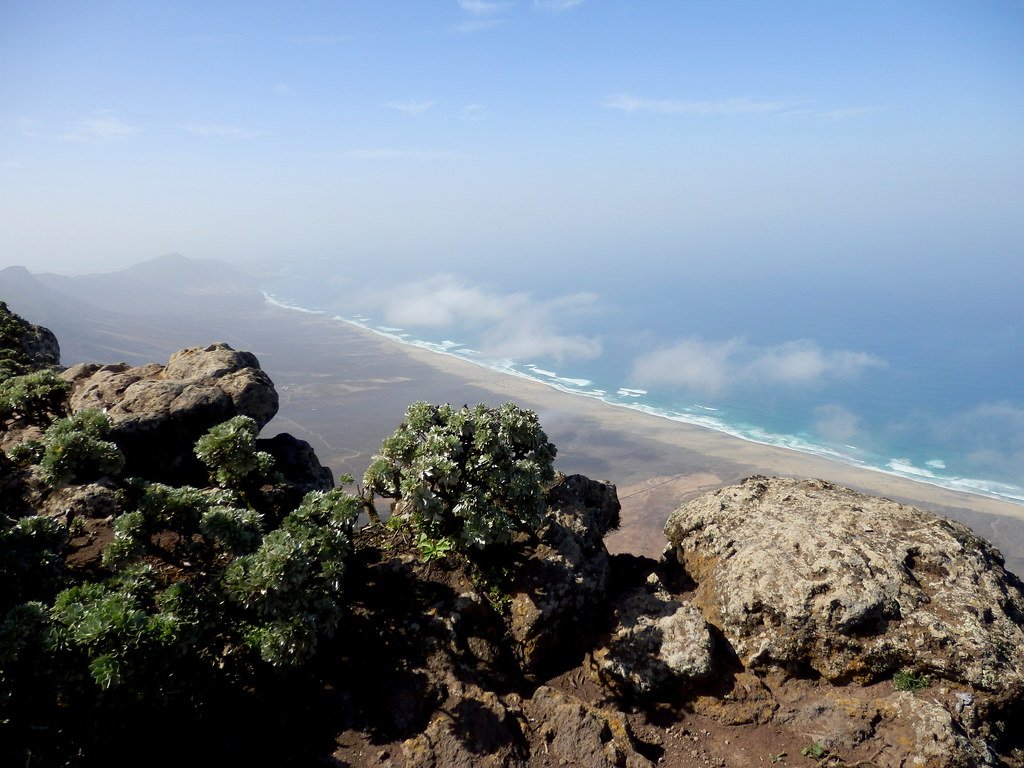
{"x":815,"y":750}
{"x":908,"y":680}
{"x":229,"y":450}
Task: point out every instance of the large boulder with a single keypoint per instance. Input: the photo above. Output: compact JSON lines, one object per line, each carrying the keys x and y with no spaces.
{"x":559,"y":596}
{"x":658,"y":643}
{"x":815,"y":579}
{"x":158,"y":412}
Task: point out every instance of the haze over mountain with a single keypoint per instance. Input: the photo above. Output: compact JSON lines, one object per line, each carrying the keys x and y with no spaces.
{"x":135,"y":315}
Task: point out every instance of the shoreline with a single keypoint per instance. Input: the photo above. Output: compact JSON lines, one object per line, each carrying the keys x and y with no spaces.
{"x":658,"y":463}
{"x":965,"y":486}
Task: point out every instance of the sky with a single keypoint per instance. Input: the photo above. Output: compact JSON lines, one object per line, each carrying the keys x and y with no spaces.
{"x":522,"y":135}
{"x":791,"y":207}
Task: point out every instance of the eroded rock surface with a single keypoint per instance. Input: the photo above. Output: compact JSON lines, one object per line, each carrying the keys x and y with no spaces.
{"x":158,"y":412}
{"x":806,"y":574}
{"x":657,"y":642}
{"x":807,"y":579}
{"x":561,"y":587}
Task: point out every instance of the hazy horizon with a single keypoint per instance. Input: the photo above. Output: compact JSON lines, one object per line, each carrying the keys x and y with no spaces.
{"x":809,"y":213}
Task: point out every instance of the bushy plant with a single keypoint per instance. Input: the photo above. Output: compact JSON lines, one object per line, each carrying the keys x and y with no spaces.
{"x":909,"y":680}
{"x":31,"y":560}
{"x":74,"y":449}
{"x":473,"y":475}
{"x":33,"y":397}
{"x":113,"y":629}
{"x":202,"y":523}
{"x":229,"y":451}
{"x":291,"y":586}
{"x":13,"y":359}
{"x":28,"y":452}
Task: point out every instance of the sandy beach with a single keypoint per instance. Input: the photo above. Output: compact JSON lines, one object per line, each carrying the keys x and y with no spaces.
{"x":344,"y":388}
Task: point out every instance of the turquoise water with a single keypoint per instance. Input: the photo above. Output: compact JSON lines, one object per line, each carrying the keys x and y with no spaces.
{"x":927,"y":375}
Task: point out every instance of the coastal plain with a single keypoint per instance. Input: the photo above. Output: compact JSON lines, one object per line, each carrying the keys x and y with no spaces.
{"x":344,"y":388}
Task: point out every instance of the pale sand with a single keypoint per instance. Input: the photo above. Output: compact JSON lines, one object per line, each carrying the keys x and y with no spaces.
{"x":344,"y":389}
{"x":650,"y":489}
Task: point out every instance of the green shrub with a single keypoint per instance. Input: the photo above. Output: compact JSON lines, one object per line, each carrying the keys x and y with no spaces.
{"x":473,"y":475}
{"x":229,"y":451}
{"x":26,"y":453}
{"x":908,"y":680}
{"x":200,"y":521}
{"x":291,"y":586}
{"x":74,"y":449}
{"x":31,"y":560}
{"x":112,"y":628}
{"x":33,"y":397}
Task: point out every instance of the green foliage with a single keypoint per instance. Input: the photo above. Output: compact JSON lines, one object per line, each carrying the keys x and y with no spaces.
{"x":32,"y":397}
{"x":292,"y":584}
{"x":31,"y":561}
{"x":229,"y":450}
{"x":74,"y":449}
{"x":200,"y":520}
{"x":434,"y":549}
{"x":908,"y":680}
{"x":113,"y":630}
{"x":13,"y":359}
{"x":815,"y":750}
{"x":474,"y":475}
{"x":28,"y":452}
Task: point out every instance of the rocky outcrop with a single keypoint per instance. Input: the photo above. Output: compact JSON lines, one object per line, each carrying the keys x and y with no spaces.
{"x":808,"y":576}
{"x":657,"y":642}
{"x":573,"y":732}
{"x":158,"y":412}
{"x":560,"y":588}
{"x":26,"y":346}
{"x":806,"y":581}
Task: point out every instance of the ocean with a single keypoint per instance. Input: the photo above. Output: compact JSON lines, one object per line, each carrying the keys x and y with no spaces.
{"x":916,"y":375}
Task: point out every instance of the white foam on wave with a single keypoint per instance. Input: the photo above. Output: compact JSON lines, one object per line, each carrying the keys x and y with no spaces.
{"x":542,"y":371}
{"x":627,"y":392}
{"x":990,"y":488}
{"x":287,"y":305}
{"x":901,"y":467}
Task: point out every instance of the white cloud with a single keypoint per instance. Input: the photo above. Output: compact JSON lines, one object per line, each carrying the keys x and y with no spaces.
{"x":557,"y":5}
{"x":398,"y":154}
{"x":482,"y":7}
{"x":629,"y":103}
{"x":796,"y":362}
{"x":741,"y":106}
{"x":713,"y":367}
{"x":474,"y":112}
{"x":318,"y":39}
{"x":410,"y":107}
{"x":692,"y":363}
{"x":219,"y":130}
{"x":513,"y":325}
{"x":477,"y":25}
{"x":844,"y":113}
{"x":103,"y":127}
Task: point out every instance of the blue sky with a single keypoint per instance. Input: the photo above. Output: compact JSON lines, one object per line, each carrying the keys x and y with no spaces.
{"x":746,"y":133}
{"x":813,"y":206}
